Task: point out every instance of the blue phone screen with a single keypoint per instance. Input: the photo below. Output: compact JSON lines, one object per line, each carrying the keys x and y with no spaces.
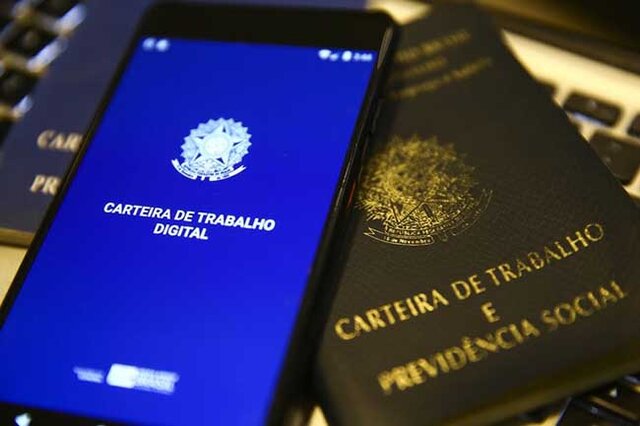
{"x":168,"y":284}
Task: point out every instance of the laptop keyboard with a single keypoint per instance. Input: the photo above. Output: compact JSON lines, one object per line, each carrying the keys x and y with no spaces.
{"x":622,"y":156}
{"x":33,"y":33}
{"x":602,"y":112}
{"x":615,"y":404}
{"x":620,"y":152}
{"x":603,"y":103}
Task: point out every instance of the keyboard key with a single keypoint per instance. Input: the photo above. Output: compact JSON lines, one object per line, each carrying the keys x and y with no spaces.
{"x":576,"y":123}
{"x":619,"y":398}
{"x":633,"y":379}
{"x":550,"y":88}
{"x":5,"y":14}
{"x":4,"y":21}
{"x":576,"y":415}
{"x":621,"y":156}
{"x":592,"y":108}
{"x":5,"y":125}
{"x":57,"y":8}
{"x":634,"y":127}
{"x":28,"y":41}
{"x":14,"y":86}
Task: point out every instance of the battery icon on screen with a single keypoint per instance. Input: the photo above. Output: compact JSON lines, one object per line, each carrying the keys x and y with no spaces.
{"x":162,"y":45}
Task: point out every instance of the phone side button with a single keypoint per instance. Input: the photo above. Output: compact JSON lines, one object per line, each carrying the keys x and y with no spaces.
{"x":376,"y":116}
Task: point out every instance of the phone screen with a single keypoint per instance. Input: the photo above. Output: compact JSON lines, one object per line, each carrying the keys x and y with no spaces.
{"x":167,"y":285}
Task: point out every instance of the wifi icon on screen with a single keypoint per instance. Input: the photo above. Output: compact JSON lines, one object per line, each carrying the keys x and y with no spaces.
{"x":324,"y":53}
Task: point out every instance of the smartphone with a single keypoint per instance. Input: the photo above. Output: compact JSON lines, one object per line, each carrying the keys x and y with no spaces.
{"x":174,"y":280}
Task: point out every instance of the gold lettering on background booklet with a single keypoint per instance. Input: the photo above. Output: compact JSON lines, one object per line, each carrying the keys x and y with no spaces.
{"x":431,"y":47}
{"x":426,"y":67}
{"x":473,"y":349}
{"x":59,"y":141}
{"x":389,"y":314}
{"x":501,"y":274}
{"x":45,"y":184}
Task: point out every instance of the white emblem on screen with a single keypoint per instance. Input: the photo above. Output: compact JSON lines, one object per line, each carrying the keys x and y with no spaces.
{"x":214,"y":150}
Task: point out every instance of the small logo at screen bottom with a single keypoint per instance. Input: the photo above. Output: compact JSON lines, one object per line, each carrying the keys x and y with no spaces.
{"x":146,"y":379}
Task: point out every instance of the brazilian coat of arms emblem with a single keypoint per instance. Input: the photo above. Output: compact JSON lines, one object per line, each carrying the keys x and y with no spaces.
{"x":214,"y":150}
{"x":416,"y":191}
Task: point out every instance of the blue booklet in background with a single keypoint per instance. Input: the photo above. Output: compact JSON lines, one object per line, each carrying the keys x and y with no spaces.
{"x":39,"y":149}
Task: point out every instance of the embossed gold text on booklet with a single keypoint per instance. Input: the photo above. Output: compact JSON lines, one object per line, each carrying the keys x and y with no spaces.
{"x":496,"y":262}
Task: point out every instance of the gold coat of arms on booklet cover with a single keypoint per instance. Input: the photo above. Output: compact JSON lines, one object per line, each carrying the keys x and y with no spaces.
{"x":416,"y":191}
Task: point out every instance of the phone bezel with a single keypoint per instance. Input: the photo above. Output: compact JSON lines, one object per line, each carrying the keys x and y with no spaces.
{"x":288,"y":26}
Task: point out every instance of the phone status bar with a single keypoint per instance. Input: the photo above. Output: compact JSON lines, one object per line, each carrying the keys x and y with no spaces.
{"x":152,"y":44}
{"x":344,"y":56}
